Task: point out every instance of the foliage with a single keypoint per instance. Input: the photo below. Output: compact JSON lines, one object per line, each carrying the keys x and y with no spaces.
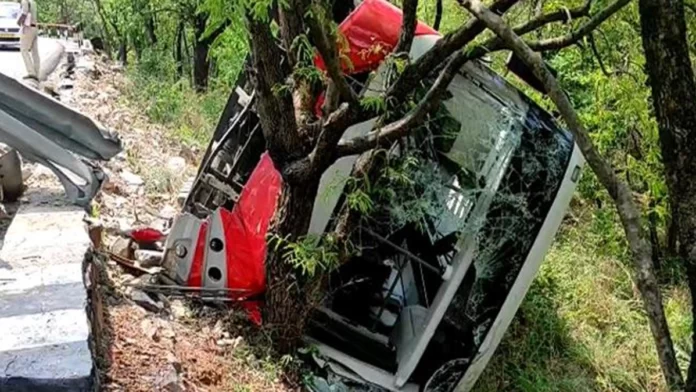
{"x":310,"y":255}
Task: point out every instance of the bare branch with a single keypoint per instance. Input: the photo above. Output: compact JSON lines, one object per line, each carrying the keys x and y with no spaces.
{"x":325,"y":41}
{"x":578,"y":34}
{"x":400,"y":128}
{"x":408,"y":26}
{"x":617,"y":188}
{"x":561,"y":15}
{"x":593,"y":45}
{"x":438,"y":15}
{"x":449,"y":44}
{"x":495,"y":44}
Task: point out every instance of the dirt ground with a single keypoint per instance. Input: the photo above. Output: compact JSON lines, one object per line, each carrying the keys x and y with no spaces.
{"x":180,"y":346}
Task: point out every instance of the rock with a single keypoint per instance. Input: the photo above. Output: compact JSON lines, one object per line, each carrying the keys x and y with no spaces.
{"x":174,"y":361}
{"x":122,"y":247}
{"x":148,"y":258}
{"x":148,"y":328}
{"x":179,"y":309}
{"x":131,"y":179}
{"x":141,"y":298}
{"x":169,"y":381}
{"x":176,"y":166}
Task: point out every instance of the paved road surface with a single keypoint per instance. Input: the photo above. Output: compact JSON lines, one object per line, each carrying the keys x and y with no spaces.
{"x":11,"y":62}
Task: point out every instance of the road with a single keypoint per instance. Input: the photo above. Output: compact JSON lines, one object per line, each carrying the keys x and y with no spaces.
{"x":11,"y":62}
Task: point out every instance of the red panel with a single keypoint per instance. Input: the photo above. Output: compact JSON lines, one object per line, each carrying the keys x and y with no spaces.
{"x":146,"y":235}
{"x":246,"y":227}
{"x":195,"y":278}
{"x":372,"y":32}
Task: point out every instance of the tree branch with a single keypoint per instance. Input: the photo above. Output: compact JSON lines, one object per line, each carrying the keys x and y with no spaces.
{"x":210,"y":38}
{"x":290,"y":20}
{"x":449,"y":44}
{"x":578,"y":34}
{"x":617,"y":188}
{"x":400,"y":128}
{"x":408,"y":27}
{"x":275,"y":111}
{"x":438,"y":15}
{"x":325,"y":41}
{"x":593,"y":45}
{"x":562,"y":15}
{"x":495,"y":43}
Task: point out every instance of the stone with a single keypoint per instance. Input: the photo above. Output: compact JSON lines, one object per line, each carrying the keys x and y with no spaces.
{"x":179,"y":309}
{"x":174,"y":361}
{"x":169,"y":381}
{"x":122,"y":247}
{"x":176,"y":165}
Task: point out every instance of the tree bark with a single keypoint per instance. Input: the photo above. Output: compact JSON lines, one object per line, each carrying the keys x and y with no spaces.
{"x":671,"y":79}
{"x":123,"y":51}
{"x":201,"y":49}
{"x":150,"y":27}
{"x":179,"y":49}
{"x":201,"y":66}
{"x":617,"y":188}
{"x":290,"y":297}
{"x":438,"y":15}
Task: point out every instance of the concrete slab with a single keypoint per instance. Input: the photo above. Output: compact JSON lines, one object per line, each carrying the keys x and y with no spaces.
{"x":44,"y":344}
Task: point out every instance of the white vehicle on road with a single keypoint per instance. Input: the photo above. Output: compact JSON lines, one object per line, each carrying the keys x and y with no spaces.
{"x":9,"y":31}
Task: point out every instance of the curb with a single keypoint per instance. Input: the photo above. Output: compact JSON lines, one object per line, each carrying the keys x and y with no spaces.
{"x":44,"y":345}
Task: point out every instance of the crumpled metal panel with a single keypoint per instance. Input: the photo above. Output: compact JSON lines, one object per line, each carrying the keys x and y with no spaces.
{"x":45,"y":131}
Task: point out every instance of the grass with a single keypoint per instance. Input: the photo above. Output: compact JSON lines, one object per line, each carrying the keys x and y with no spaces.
{"x":191,"y":117}
{"x":582,"y":326}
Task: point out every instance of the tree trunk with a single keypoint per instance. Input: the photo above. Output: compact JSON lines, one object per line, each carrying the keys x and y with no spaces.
{"x":123,"y":51}
{"x":671,"y":79}
{"x":150,"y":28}
{"x":672,"y":233}
{"x":201,"y":49}
{"x":290,"y":297}
{"x":179,"y":50}
{"x":438,"y":15}
{"x":201,"y":65}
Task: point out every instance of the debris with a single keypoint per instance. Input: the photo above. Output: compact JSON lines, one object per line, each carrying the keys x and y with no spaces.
{"x":125,"y":262}
{"x":141,"y":298}
{"x":148,"y":258}
{"x":146,"y":236}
